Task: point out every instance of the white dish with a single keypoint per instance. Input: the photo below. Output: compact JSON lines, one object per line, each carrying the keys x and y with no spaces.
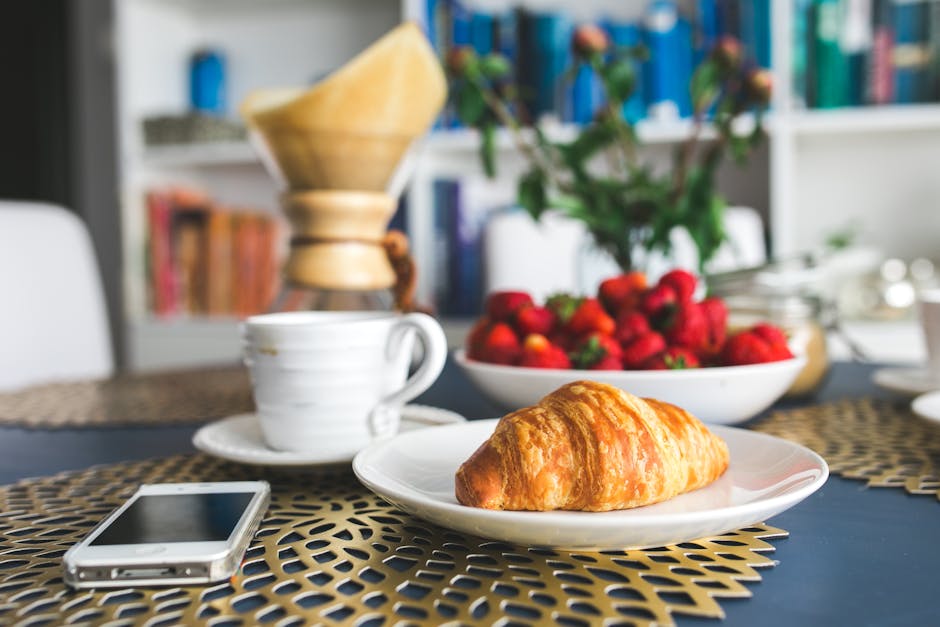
{"x":415,"y":471}
{"x":238,"y":438}
{"x":911,"y":381}
{"x":927,"y":406}
{"x":724,"y":395}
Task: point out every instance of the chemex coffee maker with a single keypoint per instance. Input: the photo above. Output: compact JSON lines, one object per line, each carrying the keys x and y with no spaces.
{"x":339,"y":151}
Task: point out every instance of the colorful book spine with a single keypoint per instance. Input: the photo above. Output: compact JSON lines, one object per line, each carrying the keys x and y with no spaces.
{"x":482,"y":27}
{"x":881,"y":67}
{"x":552,"y":37}
{"x":668,"y":38}
{"x":910,"y":54}
{"x":856,"y":42}
{"x":801,"y":47}
{"x":830,"y":65}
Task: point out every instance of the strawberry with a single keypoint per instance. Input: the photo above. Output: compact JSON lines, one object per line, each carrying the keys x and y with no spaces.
{"x":658,"y":301}
{"x":641,"y":349}
{"x":775,"y":337}
{"x":590,"y":317}
{"x":596,"y":349}
{"x":687,"y":327}
{"x":533,"y":319}
{"x":563,"y":305}
{"x":673,"y":358}
{"x":622,"y":292}
{"x":716,"y":320}
{"x":501,"y":306}
{"x":538,"y":352}
{"x":476,"y":335}
{"x":746,"y":347}
{"x":630,"y":325}
{"x":496,"y":343}
{"x":682,"y":281}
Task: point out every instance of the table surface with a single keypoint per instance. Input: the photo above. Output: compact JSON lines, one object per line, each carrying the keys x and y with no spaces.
{"x":855,"y":555}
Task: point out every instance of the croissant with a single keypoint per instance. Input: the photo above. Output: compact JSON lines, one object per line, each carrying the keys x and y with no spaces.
{"x":590,"y":446}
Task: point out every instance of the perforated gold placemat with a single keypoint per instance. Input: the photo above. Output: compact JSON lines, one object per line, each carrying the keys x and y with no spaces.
{"x":331,"y":552}
{"x":176,"y":397}
{"x":877,"y":441}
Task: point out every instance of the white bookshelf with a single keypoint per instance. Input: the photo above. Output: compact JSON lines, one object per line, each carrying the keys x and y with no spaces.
{"x":824,"y":171}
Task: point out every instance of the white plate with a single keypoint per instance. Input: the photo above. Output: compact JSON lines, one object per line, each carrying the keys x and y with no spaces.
{"x":723,"y":395}
{"x":767,"y":475}
{"x":927,"y":406}
{"x":239,"y":439}
{"x":910,"y":381}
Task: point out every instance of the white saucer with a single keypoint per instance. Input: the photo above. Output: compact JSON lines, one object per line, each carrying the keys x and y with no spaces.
{"x":767,"y":475}
{"x":927,"y":406}
{"x":910,"y":381}
{"x":238,"y":438}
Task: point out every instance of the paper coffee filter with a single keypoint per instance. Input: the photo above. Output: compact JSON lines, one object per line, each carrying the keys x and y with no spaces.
{"x":351,"y":130}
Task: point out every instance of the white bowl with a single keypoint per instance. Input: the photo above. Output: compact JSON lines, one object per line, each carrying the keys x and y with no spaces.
{"x":722,"y":395}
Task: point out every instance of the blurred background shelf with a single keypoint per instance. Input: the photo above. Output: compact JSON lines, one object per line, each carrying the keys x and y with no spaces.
{"x":821,"y":173}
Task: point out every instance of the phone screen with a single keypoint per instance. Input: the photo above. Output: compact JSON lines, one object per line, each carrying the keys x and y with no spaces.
{"x":164,"y":518}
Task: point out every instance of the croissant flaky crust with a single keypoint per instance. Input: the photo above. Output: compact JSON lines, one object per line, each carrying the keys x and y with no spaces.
{"x":590,"y":446}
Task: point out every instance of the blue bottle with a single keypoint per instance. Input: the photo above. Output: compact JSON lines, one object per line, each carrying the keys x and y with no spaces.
{"x":207,"y":82}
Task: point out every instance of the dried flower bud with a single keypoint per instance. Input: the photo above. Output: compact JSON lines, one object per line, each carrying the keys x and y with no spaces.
{"x":458,"y":59}
{"x":728,"y":51}
{"x":588,"y":39}
{"x":760,"y":84}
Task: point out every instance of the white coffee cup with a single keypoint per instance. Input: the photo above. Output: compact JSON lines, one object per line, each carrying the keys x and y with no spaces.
{"x":928,"y":307}
{"x":328,"y":383}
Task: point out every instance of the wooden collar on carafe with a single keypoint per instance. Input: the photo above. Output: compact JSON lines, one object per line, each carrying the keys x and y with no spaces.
{"x":337,"y":239}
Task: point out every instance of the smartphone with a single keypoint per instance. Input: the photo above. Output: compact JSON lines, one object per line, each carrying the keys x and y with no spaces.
{"x":170,"y":534}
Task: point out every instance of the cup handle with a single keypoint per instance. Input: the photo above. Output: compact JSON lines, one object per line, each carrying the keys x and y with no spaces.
{"x":384,"y":419}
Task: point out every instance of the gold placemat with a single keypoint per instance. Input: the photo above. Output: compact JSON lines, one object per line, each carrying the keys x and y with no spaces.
{"x":177,"y":397}
{"x":874,"y":440}
{"x":331,"y":552}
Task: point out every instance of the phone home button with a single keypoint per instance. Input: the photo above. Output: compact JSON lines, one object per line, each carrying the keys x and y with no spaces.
{"x":151,"y":549}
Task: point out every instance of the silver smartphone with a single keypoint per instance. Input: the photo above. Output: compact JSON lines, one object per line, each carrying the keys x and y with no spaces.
{"x":170,"y":534}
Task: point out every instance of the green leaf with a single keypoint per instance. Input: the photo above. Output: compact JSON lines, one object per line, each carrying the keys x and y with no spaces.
{"x":470,"y":105}
{"x":488,"y":148}
{"x":619,"y":78}
{"x":704,"y":85}
{"x":531,"y":191}
{"x":494,"y":65}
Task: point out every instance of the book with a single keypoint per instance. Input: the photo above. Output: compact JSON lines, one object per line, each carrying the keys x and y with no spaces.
{"x":218,"y":262}
{"x":669,"y":40}
{"x":910,"y":53}
{"x":856,"y":43}
{"x":880,"y":82}
{"x":162,"y":287}
{"x":482,"y":31}
{"x":552,"y":44}
{"x":829,"y":60}
{"x":801,"y":46}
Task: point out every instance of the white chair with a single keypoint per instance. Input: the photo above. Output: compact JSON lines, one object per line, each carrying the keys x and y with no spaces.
{"x":53,"y":318}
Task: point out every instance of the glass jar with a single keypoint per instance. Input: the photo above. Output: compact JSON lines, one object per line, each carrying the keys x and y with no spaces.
{"x":803,"y":319}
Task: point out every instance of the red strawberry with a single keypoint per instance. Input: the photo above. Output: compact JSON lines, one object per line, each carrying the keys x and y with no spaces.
{"x":630,"y":326}
{"x":775,"y":337}
{"x":673,"y":358}
{"x":716,"y":319}
{"x":682,"y":281}
{"x":590,"y":317}
{"x":501,"y":306}
{"x":687,"y":327}
{"x":538,"y":352}
{"x":595,"y":349}
{"x":608,"y":362}
{"x":658,"y":301}
{"x":746,"y":348}
{"x":622,"y":292}
{"x":563,"y":306}
{"x":496,"y":343}
{"x":641,"y":349}
{"x":533,"y":319}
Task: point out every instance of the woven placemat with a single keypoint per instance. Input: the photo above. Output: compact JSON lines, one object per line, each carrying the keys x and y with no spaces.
{"x":874,"y":440}
{"x":177,"y":397}
{"x":331,"y":552}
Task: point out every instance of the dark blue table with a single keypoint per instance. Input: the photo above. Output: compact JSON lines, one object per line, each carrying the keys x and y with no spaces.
{"x":855,"y":555}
